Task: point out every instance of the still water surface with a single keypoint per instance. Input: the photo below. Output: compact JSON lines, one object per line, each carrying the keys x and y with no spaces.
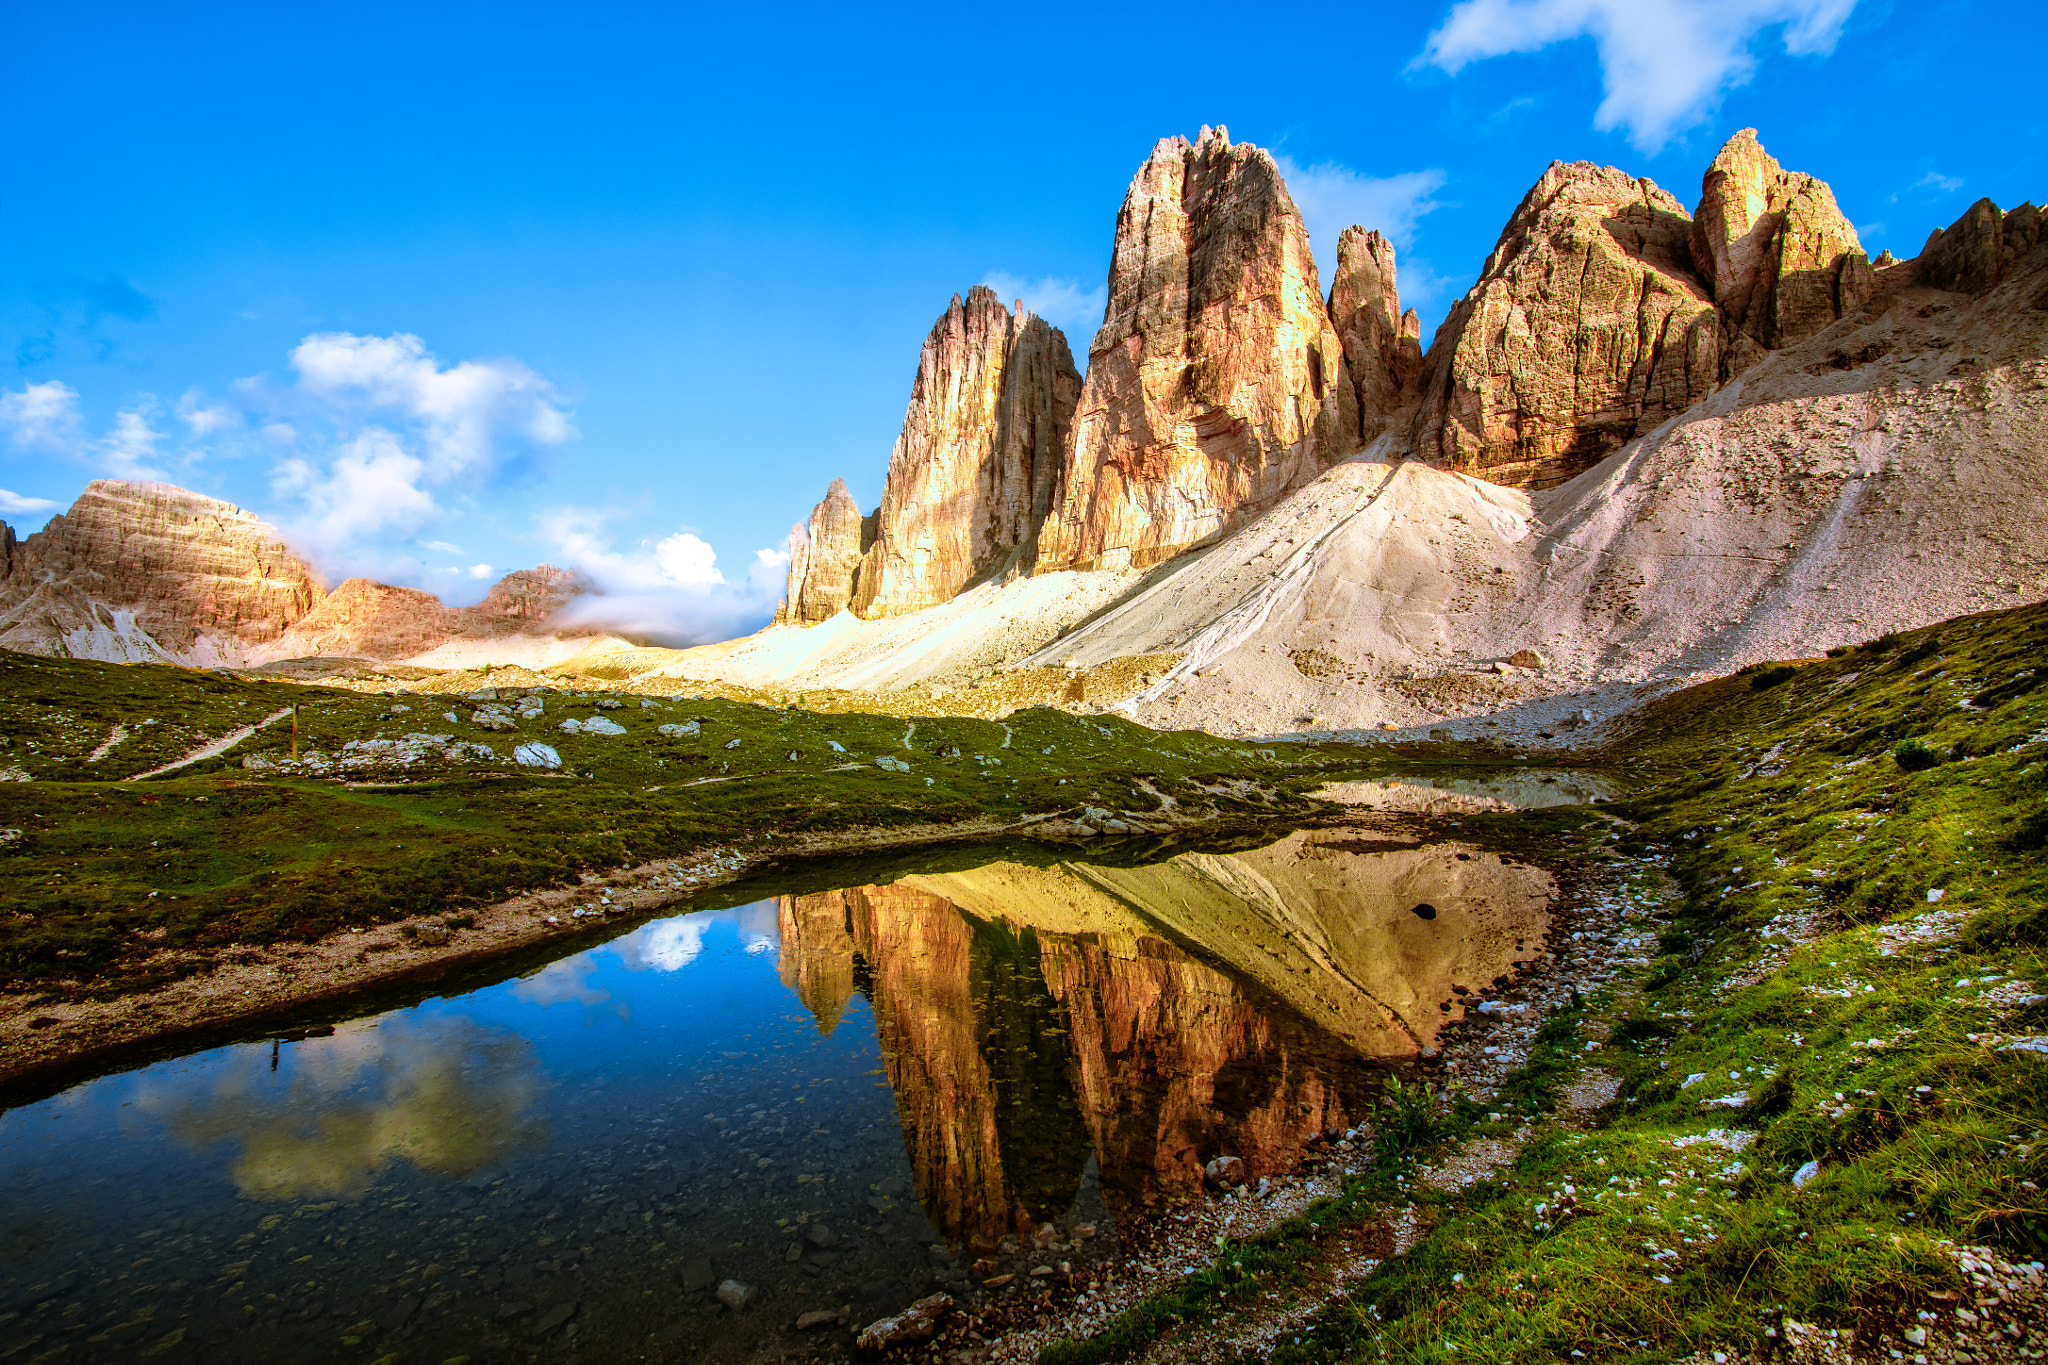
{"x":841,"y":1099}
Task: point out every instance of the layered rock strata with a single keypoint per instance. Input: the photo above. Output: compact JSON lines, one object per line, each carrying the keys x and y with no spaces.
{"x":1587,"y":329}
{"x":139,"y":570}
{"x":148,"y":572}
{"x":1214,"y":385}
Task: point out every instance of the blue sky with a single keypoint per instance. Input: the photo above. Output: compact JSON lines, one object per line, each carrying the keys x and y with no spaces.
{"x":449,"y":290}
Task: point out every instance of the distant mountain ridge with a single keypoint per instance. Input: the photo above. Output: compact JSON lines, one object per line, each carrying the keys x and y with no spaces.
{"x":148,"y":572}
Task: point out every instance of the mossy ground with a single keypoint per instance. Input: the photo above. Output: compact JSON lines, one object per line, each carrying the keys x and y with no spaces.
{"x":1855,"y":943}
{"x":104,"y":872}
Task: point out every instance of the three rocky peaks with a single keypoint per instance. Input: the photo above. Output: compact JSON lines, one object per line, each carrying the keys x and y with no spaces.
{"x":1224,"y":377}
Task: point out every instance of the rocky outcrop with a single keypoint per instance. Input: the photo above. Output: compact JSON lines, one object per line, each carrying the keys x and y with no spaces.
{"x":972,"y":476}
{"x":825,"y":559}
{"x":148,"y":572}
{"x":1382,"y":345}
{"x":1778,"y":257}
{"x":1981,"y":248}
{"x":1586,"y":330}
{"x":138,"y":571}
{"x":1213,"y":386}
{"x":366,"y":619}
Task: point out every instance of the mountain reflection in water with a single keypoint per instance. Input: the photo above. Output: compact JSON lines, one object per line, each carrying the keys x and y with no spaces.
{"x":444,"y":1094}
{"x":1151,"y":1018}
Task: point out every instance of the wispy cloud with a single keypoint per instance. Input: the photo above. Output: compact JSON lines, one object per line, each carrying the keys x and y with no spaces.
{"x":1664,"y":63}
{"x":441,"y":547}
{"x":1063,"y":303}
{"x":13,"y":504}
{"x":666,"y":589}
{"x":1935,"y":180}
{"x":46,"y":420}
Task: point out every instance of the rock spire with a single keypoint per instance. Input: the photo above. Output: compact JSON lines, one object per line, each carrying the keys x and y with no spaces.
{"x":1981,"y":248}
{"x":824,"y":559}
{"x":972,"y":475}
{"x":1213,"y":386}
{"x":1778,"y":257}
{"x":1382,"y":345}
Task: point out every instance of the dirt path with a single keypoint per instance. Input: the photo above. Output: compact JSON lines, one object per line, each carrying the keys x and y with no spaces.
{"x":211,"y":749}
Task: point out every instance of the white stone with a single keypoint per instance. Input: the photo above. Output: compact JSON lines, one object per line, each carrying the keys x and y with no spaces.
{"x":537,"y":756}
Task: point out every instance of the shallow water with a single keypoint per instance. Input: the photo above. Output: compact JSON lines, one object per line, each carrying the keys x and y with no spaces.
{"x":841,"y":1099}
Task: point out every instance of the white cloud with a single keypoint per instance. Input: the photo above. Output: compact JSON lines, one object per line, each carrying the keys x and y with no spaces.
{"x":481,"y":571}
{"x":202,"y":418}
{"x":45,"y":419}
{"x":1935,"y":180}
{"x":1333,"y":197}
{"x":669,"y":590}
{"x":1063,"y":303}
{"x":13,"y":504}
{"x":441,"y":547}
{"x":1664,"y":63}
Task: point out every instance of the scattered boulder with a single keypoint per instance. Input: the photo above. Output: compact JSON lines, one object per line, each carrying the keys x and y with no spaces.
{"x":607,"y":703}
{"x":599,"y":725}
{"x":537,"y":756}
{"x":1224,"y":1173}
{"x":736,"y":1295}
{"x":820,"y":1236}
{"x":684,"y":731}
{"x":698,"y":1276}
{"x":807,"y":1321}
{"x":1528,"y":658}
{"x":430,"y":935}
{"x":493,"y":718}
{"x":894,"y":765}
{"x":915,"y":1323}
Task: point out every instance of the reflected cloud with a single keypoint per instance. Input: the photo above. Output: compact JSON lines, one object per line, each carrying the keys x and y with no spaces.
{"x":672,"y":944}
{"x":562,"y":983}
{"x":445,"y":1095}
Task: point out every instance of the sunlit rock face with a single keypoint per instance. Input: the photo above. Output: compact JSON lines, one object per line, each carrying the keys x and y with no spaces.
{"x":1587,"y":329}
{"x":1779,"y":258}
{"x":1213,"y":386}
{"x":824,"y":559}
{"x":1382,"y":344}
{"x":972,"y":476}
{"x":145,"y":571}
{"x":1152,"y":1017}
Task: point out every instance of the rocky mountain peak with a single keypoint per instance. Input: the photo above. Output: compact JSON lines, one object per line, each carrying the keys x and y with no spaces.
{"x":1981,"y":248}
{"x":1778,"y":256}
{"x":824,"y":559}
{"x":1213,"y":385}
{"x":1587,"y":328}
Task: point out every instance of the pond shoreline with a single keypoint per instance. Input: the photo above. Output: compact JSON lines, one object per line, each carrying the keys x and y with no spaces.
{"x":286,"y":987}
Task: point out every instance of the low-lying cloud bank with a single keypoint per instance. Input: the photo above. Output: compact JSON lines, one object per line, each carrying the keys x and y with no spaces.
{"x":666,"y":591}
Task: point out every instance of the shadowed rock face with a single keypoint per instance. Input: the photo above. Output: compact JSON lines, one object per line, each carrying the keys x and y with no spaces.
{"x":1980,"y":248}
{"x":1780,"y":259}
{"x":1213,"y":386}
{"x":1587,"y":329}
{"x":379,"y":621}
{"x":972,"y":476}
{"x":1382,"y":345}
{"x":1153,"y":1017}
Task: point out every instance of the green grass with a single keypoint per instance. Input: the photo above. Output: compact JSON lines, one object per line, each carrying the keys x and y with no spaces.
{"x":1804,"y":965}
{"x":103,"y":872}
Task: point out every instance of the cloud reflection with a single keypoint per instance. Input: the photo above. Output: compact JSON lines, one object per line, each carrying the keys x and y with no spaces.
{"x":672,"y":944}
{"x":446,"y":1095}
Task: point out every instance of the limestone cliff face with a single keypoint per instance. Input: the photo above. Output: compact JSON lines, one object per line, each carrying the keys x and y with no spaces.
{"x":1587,"y":328}
{"x":824,"y":560}
{"x":1981,"y":248}
{"x":1213,"y":386}
{"x":1382,"y":345}
{"x":972,"y":476}
{"x":1779,"y":258}
{"x":147,"y":570}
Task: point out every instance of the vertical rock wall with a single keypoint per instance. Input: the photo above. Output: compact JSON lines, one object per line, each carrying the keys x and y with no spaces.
{"x":1213,"y":386}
